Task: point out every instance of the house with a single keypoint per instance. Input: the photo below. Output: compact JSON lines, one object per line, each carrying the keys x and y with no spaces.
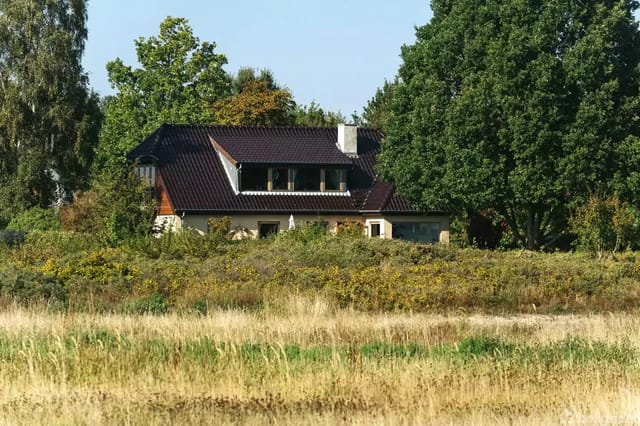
{"x":261,"y":177}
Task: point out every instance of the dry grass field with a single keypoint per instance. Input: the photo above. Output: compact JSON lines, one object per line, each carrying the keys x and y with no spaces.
{"x":305,"y":362}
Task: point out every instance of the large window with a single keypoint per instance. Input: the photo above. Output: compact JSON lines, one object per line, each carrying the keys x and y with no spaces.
{"x":268,"y":228}
{"x":422,"y":232}
{"x":254,"y":179}
{"x":306,"y":180}
{"x":280,"y":179}
{"x":332,"y":179}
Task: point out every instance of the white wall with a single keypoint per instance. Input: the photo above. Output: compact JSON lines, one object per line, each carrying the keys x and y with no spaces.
{"x":250,"y":223}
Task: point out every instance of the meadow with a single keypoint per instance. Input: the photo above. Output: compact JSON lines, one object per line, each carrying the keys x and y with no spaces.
{"x":308,"y":363}
{"x":307,"y":328}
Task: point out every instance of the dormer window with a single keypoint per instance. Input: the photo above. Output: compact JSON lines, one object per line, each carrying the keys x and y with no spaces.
{"x":306,"y":180}
{"x":254,"y":179}
{"x":299,"y":179}
{"x":147,"y":173}
{"x":280,"y":179}
{"x":334,"y":180}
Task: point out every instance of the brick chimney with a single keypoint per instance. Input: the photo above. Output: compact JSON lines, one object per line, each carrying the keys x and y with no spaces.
{"x":348,"y":139}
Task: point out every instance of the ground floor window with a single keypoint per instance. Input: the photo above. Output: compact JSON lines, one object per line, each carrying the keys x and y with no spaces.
{"x":375,"y":229}
{"x":421,"y":232}
{"x":268,"y":228}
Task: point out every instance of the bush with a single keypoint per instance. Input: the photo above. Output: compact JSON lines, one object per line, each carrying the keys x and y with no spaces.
{"x":604,"y":225}
{"x":155,"y":305}
{"x":35,"y":219}
{"x":82,"y":215}
{"x":123,"y":207}
{"x":12,"y":238}
{"x":27,"y":287}
{"x":39,"y":246}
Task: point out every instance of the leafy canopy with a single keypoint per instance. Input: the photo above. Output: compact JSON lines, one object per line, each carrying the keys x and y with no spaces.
{"x":179,"y":79}
{"x":523,"y":107}
{"x":48,"y":118}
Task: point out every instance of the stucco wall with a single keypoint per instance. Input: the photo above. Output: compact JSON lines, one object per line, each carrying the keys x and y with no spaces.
{"x":386,"y":224}
{"x":250,"y":223}
{"x":168,"y":223}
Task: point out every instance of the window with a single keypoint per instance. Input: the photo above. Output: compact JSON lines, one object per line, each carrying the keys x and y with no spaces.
{"x":254,"y":179}
{"x":147,"y":174}
{"x":280,"y":179}
{"x":375,"y":230}
{"x":289,"y":179}
{"x":307,"y":180}
{"x":268,"y":228}
{"x":422,"y":232}
{"x":332,"y":179}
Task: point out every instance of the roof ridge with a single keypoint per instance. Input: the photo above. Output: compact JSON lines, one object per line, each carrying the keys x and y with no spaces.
{"x":387,"y":194}
{"x":373,"y":185}
{"x":245,"y":126}
{"x":390,"y":191}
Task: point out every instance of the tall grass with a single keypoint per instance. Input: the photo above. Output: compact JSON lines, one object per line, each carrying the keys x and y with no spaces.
{"x":309,"y":363}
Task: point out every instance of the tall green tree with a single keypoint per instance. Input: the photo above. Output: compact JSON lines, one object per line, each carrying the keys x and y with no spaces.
{"x":49,"y":119}
{"x":377,"y":110}
{"x":246,"y":75}
{"x":179,"y":79}
{"x":524,"y":107}
{"x":313,"y":115}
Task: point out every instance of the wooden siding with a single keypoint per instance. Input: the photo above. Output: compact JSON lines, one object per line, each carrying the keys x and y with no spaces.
{"x":165,"y":205}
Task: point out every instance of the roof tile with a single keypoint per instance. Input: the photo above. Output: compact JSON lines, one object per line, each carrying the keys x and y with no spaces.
{"x":196,"y":181}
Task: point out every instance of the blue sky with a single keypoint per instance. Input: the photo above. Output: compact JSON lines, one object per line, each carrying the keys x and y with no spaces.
{"x":336,"y":52}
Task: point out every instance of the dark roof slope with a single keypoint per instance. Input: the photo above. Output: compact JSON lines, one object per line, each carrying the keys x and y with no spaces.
{"x":197,"y":182}
{"x":280,"y":145}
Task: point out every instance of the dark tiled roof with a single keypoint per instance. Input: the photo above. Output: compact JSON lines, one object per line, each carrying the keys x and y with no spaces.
{"x":196,"y":180}
{"x":280,"y":145}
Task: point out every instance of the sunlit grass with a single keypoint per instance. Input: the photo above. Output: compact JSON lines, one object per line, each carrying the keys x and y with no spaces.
{"x":305,"y":362}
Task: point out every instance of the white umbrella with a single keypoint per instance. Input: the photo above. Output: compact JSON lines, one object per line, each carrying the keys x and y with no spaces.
{"x":292,"y":223}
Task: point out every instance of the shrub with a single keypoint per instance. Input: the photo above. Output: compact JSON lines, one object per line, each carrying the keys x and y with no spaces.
{"x":123,"y":207}
{"x":28,"y":287}
{"x":35,"y":219}
{"x":219,"y":227}
{"x":155,"y":304}
{"x":604,"y":224}
{"x":350,"y":228}
{"x":12,"y":238}
{"x":82,"y":215}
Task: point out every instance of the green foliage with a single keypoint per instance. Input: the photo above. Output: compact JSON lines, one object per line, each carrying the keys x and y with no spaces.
{"x":36,"y":219}
{"x":48,"y":118}
{"x":246,"y":75}
{"x":219,"y":227}
{"x":377,"y":110}
{"x":188,"y":243}
{"x":122,"y":209}
{"x":155,"y":304}
{"x":28,"y":287}
{"x":604,"y":225}
{"x":520,"y":107}
{"x":179,"y":79}
{"x":350,"y":229}
{"x":193,"y":273}
{"x":314,"y":116}
{"x":38,"y":247}
{"x":81,"y":215}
